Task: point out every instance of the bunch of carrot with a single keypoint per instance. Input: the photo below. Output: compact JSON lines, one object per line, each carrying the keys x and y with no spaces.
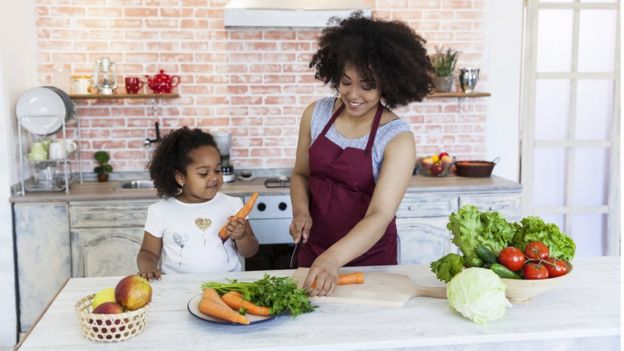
{"x":229,"y":307}
{"x":241,"y":214}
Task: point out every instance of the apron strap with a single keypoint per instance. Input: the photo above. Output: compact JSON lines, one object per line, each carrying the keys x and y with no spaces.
{"x":332,"y":119}
{"x":373,"y":133}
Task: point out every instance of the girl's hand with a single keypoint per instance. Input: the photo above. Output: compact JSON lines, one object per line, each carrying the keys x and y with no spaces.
{"x":236,"y":227}
{"x":300,"y":228}
{"x":150,"y":274}
{"x":322,"y":276}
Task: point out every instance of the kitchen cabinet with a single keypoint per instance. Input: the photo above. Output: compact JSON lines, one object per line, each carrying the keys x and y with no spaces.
{"x":106,"y":236}
{"x":43,"y":256}
{"x":422,"y":218}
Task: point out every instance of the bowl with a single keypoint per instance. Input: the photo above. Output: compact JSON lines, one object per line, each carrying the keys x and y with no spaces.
{"x":109,"y":327}
{"x":475,"y":168}
{"x":524,"y":290}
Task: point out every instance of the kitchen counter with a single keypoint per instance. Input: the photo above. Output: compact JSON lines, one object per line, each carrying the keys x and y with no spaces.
{"x":580,"y":314}
{"x":112,"y":191}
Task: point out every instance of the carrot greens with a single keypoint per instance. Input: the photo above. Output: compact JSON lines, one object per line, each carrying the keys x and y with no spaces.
{"x":281,"y":294}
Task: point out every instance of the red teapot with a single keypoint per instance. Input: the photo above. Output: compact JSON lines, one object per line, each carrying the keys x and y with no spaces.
{"x":162,"y":83}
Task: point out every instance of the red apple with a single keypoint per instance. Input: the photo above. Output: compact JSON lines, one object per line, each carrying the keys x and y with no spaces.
{"x":108,"y":308}
{"x":442,"y":154}
{"x":133,"y":292}
{"x":437,"y":168}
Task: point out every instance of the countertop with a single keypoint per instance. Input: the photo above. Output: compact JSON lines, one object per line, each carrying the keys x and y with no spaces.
{"x":111,"y":190}
{"x":582,"y":313}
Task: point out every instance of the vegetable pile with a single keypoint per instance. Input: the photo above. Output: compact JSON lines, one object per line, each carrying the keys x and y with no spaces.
{"x":530,"y":249}
{"x":279,"y":294}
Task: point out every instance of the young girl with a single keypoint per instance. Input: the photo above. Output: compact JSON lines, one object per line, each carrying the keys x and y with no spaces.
{"x":181,"y":230}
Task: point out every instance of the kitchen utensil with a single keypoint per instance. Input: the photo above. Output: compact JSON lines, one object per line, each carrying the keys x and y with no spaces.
{"x":41,"y":111}
{"x":37,"y":152}
{"x":133,"y":85}
{"x":379,"y":289}
{"x":105,"y":77}
{"x":193,"y":308}
{"x":58,"y":149}
{"x":109,"y":327}
{"x":468,"y":78}
{"x":475,"y":168}
{"x":524,"y":290}
{"x":162,"y":83}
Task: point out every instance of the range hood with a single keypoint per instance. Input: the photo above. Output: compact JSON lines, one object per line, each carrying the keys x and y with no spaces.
{"x":288,"y":13}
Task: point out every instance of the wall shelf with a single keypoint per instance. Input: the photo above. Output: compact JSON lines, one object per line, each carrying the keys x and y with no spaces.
{"x":125,"y":96}
{"x":458,"y":94}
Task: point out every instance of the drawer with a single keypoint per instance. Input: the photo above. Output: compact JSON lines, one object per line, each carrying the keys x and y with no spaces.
{"x":509,"y":205}
{"x":427,"y":205}
{"x":108,"y":213}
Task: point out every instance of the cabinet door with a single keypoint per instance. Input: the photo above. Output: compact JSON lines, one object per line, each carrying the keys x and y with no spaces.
{"x":422,"y":240}
{"x":43,"y":256}
{"x":509,"y":205}
{"x":98,"y":252}
{"x":427,"y":205}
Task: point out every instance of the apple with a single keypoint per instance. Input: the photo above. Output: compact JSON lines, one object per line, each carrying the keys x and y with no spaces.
{"x":133,"y":292}
{"x":446,"y":160}
{"x":109,"y":308}
{"x":104,"y":295}
{"x":442,"y":154}
{"x":436,"y":169}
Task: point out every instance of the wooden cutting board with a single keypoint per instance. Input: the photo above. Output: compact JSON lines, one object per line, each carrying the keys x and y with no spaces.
{"x":379,"y":289}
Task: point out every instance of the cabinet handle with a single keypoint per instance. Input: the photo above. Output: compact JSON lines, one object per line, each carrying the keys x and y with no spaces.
{"x":410,"y":208}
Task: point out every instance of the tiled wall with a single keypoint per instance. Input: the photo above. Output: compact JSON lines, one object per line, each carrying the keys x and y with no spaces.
{"x":252,"y":81}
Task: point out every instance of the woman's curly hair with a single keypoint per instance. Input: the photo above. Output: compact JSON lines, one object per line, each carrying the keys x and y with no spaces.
{"x":173,"y":154}
{"x":387,"y":50}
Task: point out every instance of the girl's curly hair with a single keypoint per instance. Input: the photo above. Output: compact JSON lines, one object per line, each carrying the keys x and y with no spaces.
{"x":173,"y":154}
{"x":387,"y":50}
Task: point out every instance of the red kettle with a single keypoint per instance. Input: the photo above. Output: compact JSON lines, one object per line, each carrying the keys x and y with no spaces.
{"x":162,"y":83}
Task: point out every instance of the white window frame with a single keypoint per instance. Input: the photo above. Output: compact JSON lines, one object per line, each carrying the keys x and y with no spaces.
{"x":528,"y":113}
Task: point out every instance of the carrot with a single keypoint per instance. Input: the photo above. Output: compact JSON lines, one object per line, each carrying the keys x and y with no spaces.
{"x":234,"y":299}
{"x":212,"y":294}
{"x":214,"y":309}
{"x":241,"y":214}
{"x":348,"y":278}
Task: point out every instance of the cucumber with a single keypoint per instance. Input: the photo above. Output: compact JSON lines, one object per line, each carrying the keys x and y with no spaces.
{"x":504,"y":272}
{"x":485,"y":254}
{"x":475,"y":262}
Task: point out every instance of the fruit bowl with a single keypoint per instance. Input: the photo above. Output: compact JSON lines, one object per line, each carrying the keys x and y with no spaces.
{"x":109,"y":327}
{"x":524,"y":290}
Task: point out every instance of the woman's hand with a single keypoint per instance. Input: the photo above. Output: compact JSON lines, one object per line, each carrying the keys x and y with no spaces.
{"x":300,"y":228}
{"x":322,"y":276}
{"x":236,"y":227}
{"x":150,"y":273}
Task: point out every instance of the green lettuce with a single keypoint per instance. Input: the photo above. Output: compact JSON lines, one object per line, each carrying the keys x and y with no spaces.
{"x":534,"y":229}
{"x":477,"y":294}
{"x":470,"y":227}
{"x":447,"y":267}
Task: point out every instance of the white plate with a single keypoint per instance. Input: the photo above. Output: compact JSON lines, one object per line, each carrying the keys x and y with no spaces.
{"x":41,"y":111}
{"x":193,"y":308}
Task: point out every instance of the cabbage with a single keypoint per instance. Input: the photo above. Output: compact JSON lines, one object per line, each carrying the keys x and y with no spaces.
{"x":477,"y":294}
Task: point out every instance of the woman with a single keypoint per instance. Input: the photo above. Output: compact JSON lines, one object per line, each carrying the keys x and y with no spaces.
{"x":354,"y":156}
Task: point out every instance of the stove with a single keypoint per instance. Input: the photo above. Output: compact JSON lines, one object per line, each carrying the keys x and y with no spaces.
{"x":279,"y":182}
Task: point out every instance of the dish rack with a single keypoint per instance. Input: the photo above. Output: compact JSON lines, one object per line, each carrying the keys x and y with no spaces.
{"x":58,"y":183}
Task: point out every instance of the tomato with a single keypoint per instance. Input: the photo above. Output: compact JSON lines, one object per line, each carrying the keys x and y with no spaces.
{"x":556,"y":267}
{"x":512,"y":258}
{"x":536,"y":250}
{"x":534,"y":270}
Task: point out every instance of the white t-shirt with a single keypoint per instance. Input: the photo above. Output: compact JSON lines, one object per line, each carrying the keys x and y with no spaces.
{"x":189,"y":232}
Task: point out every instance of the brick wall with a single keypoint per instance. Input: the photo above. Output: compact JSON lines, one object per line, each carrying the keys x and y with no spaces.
{"x":254,"y":82}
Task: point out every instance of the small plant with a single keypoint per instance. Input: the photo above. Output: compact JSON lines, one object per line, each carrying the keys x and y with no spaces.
{"x":444,"y":62}
{"x":103,"y":168}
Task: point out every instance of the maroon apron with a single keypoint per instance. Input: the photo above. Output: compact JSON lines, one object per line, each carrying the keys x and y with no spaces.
{"x":341,"y":187}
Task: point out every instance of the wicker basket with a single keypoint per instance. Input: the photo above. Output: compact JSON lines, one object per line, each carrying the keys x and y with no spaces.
{"x":109,"y":327}
{"x":474,"y":168}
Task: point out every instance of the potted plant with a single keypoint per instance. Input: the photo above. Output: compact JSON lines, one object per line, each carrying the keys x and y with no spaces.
{"x":104,"y":168}
{"x":443,"y":63}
